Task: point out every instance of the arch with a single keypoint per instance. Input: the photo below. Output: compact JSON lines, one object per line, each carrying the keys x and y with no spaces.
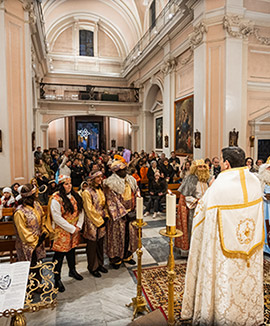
{"x":117,"y":128}
{"x":82,"y":18}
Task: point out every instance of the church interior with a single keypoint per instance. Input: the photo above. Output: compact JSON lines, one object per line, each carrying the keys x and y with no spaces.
{"x":188,"y":77}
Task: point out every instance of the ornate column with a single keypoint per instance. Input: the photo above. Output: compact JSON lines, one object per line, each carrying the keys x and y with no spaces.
{"x":134,"y":138}
{"x":198,"y":48}
{"x":168,"y":69}
{"x":44,"y":136}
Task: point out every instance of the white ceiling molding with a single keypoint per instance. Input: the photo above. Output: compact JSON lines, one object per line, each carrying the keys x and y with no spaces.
{"x":82,"y":19}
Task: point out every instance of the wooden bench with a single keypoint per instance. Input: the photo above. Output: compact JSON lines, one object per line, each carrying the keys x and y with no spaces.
{"x":173,"y":188}
{"x":7,"y":244}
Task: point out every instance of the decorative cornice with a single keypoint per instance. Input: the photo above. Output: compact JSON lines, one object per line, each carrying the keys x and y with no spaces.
{"x":237,"y":26}
{"x":169,"y":66}
{"x":262,"y":39}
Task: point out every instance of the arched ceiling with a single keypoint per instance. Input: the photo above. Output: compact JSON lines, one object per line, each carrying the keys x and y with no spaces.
{"x":125,"y":17}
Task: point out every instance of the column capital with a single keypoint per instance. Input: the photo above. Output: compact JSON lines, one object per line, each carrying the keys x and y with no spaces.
{"x":44,"y":126}
{"x":135,"y":127}
{"x":168,"y":66}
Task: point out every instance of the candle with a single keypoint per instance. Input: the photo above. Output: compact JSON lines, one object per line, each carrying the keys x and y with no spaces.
{"x":139,"y":208}
{"x":170,"y":209}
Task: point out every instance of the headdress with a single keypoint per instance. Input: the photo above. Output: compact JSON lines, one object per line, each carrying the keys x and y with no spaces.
{"x":29,"y":193}
{"x":118,"y":165}
{"x":7,"y":189}
{"x":120,"y":158}
{"x":94,"y":175}
{"x":62,"y":178}
{"x":268,"y":160}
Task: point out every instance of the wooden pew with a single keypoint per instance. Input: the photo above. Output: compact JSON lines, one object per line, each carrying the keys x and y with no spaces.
{"x":7,"y":244}
{"x":173,"y":188}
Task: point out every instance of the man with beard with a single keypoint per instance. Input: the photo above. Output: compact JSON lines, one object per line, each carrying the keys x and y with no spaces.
{"x":224,"y":277}
{"x":121,"y":239}
{"x":191,"y":190}
{"x":264,"y":176}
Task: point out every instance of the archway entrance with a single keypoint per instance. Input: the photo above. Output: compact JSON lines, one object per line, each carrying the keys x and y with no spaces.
{"x":93,"y":132}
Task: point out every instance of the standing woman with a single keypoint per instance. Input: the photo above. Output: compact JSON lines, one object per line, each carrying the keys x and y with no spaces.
{"x":67,"y":215}
{"x":94,"y":223}
{"x":28,"y":220}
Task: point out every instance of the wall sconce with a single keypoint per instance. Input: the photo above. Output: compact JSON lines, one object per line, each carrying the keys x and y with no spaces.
{"x":251,"y":139}
{"x":1,"y":146}
{"x":233,"y":138}
{"x":197,"y":139}
{"x":166,"y":141}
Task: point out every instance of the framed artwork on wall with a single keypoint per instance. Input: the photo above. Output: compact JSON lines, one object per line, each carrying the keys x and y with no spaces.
{"x":183,"y":113}
{"x":159,"y":133}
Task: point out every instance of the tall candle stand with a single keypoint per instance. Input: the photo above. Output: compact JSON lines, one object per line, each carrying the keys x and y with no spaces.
{"x":171,"y":232}
{"x":139,"y":303}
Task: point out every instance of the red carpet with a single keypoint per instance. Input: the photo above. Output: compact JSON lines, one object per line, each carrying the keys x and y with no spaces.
{"x":155,"y":289}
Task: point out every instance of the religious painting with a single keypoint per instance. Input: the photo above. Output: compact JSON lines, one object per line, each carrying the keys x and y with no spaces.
{"x":159,"y":133}
{"x":184,"y":126}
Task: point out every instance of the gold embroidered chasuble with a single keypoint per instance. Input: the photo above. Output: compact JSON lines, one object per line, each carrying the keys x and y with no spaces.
{"x":224,"y":278}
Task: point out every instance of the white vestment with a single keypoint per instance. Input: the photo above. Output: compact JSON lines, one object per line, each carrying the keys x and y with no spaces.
{"x":224,"y":278}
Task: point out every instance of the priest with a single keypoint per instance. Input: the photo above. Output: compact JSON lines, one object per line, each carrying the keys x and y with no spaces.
{"x":224,"y":278}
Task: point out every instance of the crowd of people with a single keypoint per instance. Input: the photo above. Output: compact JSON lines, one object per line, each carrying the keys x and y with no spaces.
{"x":92,"y":194}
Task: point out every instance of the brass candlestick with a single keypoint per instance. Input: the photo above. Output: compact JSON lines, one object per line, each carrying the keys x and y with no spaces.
{"x":171,"y":232}
{"x":139,"y":303}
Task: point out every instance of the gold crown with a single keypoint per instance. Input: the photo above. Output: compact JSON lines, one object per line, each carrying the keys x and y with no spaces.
{"x":268,"y":160}
{"x":198,"y":162}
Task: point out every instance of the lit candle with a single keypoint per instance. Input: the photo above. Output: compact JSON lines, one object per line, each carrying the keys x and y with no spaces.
{"x":170,"y":209}
{"x":139,"y":208}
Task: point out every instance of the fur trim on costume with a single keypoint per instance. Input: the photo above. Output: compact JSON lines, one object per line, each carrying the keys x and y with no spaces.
{"x":117,"y":184}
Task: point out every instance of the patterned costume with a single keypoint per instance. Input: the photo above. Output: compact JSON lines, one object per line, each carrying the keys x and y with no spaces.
{"x":224,"y":277}
{"x":64,"y":241}
{"x":66,"y":235}
{"x":121,"y":240}
{"x":29,"y":227}
{"x":94,"y":228}
{"x":191,"y":191}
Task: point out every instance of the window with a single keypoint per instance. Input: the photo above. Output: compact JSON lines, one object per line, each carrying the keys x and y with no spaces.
{"x":153,"y":14}
{"x":86,"y":43}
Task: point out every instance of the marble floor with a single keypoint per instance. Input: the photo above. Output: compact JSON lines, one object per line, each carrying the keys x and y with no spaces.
{"x":102,"y":301}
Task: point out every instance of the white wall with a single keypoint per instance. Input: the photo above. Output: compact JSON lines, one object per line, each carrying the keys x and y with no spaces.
{"x":56,"y":131}
{"x":120,"y":131}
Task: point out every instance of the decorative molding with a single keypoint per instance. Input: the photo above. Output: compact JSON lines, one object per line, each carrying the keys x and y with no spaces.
{"x":262,"y":39}
{"x":169,"y":66}
{"x":196,"y":37}
{"x":29,"y":7}
{"x":237,"y":26}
